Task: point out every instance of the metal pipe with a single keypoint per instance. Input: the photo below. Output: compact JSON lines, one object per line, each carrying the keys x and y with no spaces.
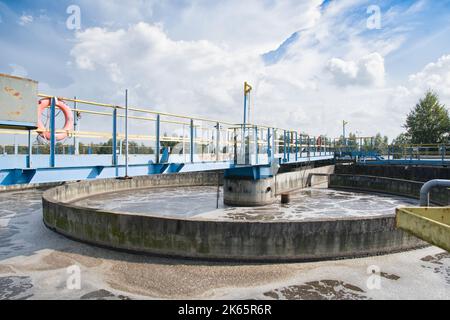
{"x":426,"y":188}
{"x":75,"y":128}
{"x":245,"y":104}
{"x":30,"y":150}
{"x":146,"y":111}
{"x":52,"y":132}
{"x":158,"y":139}
{"x":192,"y":146}
{"x":126,"y":133}
{"x":218,"y":142}
{"x":256,"y":145}
{"x":114,"y":138}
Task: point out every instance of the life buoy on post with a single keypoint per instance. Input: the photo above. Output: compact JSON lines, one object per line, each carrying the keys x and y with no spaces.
{"x":68,"y":125}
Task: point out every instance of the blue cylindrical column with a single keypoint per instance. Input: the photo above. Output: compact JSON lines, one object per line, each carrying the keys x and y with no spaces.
{"x":30,"y":150}
{"x":256,"y":145}
{"x":192,"y":144}
{"x":158,"y":139}
{"x":52,"y":132}
{"x":114,"y":139}
{"x":126,"y":133}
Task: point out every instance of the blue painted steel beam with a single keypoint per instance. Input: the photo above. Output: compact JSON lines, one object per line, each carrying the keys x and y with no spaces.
{"x":250,"y":172}
{"x":58,"y":174}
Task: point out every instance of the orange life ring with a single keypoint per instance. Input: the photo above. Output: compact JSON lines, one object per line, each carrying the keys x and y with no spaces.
{"x":68,"y":125}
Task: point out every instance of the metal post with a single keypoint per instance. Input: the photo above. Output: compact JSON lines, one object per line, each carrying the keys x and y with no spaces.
{"x":301,"y":146}
{"x":289,"y":137}
{"x":52,"y":132}
{"x":126,"y":133}
{"x":274,"y":143}
{"x":269,"y":151}
{"x":218,"y":142}
{"x":75,"y":129}
{"x":343,"y":131}
{"x":315,"y":146}
{"x":192,"y":141}
{"x":114,"y":139}
{"x":389,"y":153}
{"x":296,"y":146}
{"x":245,"y":105}
{"x":284,"y":147}
{"x":30,"y":150}
{"x":309,"y":147}
{"x":158,"y":139}
{"x":244,"y":128}
{"x":16,"y":147}
{"x":256,"y":145}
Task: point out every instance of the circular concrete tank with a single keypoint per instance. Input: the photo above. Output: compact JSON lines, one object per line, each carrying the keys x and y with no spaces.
{"x":202,"y":238}
{"x":249,"y":193}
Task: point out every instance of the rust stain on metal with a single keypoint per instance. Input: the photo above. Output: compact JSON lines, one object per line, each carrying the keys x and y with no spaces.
{"x":13,"y":92}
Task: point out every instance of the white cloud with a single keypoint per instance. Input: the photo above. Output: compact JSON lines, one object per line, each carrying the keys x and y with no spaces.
{"x":369,"y":70}
{"x":25,"y":19}
{"x":245,"y":25}
{"x":174,"y":75}
{"x":435,"y":76}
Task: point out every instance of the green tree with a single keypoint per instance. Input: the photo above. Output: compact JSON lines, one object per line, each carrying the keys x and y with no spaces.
{"x":402,"y":139}
{"x":381,"y":144}
{"x":429,"y":121}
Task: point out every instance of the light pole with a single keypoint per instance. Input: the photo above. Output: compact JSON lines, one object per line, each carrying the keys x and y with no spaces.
{"x":344,"y":123}
{"x":246,"y":142}
{"x":126,"y":134}
{"x":247,"y":89}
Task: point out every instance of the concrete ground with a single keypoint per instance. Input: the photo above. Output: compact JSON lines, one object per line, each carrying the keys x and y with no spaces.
{"x":36,"y":263}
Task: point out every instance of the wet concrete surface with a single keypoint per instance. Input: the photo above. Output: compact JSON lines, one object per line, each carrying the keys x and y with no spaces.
{"x":36,"y":263}
{"x":201,"y":202}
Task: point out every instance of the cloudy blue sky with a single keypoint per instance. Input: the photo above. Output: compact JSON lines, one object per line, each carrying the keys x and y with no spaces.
{"x":312,"y":63}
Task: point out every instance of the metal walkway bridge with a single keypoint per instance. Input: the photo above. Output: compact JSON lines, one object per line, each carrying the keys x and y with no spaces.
{"x":171,"y":143}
